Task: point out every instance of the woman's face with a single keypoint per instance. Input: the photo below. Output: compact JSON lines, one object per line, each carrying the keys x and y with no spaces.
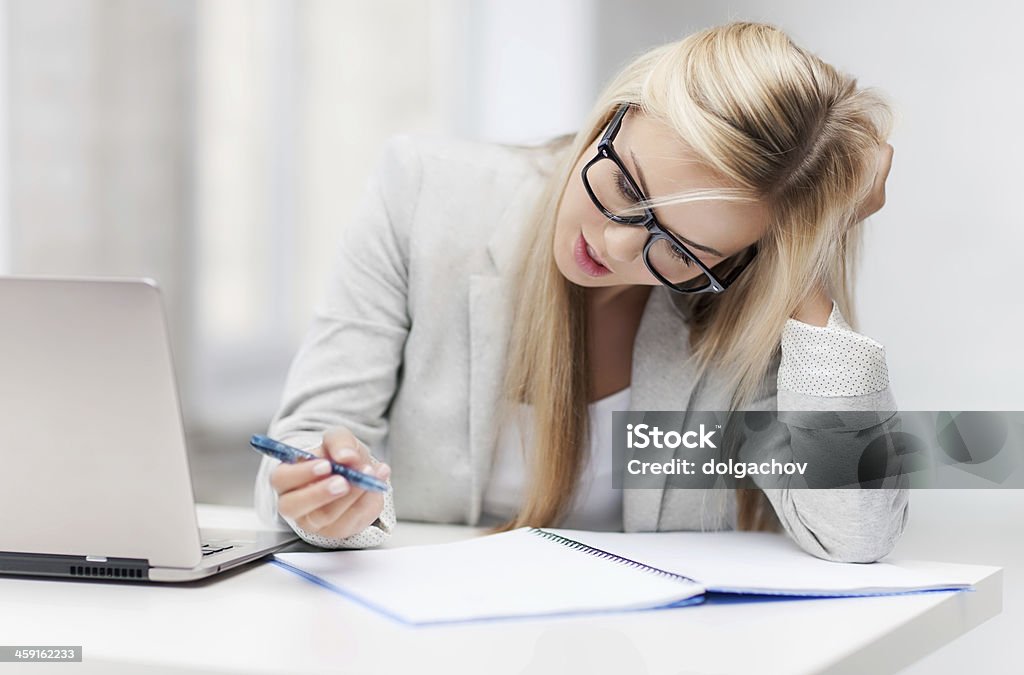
{"x":661,"y":164}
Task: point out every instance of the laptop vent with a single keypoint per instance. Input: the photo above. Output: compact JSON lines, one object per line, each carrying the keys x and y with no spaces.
{"x":111,"y":572}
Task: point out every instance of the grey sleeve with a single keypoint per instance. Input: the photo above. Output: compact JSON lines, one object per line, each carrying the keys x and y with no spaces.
{"x":346,"y":370}
{"x":833,"y":368}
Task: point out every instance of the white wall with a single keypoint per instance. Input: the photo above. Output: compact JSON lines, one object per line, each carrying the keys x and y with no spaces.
{"x":529,"y":68}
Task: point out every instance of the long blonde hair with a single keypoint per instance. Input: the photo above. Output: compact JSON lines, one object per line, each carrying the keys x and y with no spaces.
{"x":783,"y":127}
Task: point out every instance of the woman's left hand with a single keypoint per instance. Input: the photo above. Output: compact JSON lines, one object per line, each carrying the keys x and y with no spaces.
{"x":816,"y":309}
{"x":876,"y":198}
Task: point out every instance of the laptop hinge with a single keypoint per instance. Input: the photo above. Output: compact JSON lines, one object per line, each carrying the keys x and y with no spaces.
{"x":91,"y":567}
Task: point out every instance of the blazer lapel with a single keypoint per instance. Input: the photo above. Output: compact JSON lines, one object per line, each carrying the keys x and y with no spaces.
{"x":488,"y":337}
{"x":489,"y":332}
{"x":662,"y":379}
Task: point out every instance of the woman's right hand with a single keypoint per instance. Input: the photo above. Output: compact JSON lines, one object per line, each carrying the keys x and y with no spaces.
{"x":324,"y":503}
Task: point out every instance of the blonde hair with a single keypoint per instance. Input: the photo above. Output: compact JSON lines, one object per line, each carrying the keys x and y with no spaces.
{"x":781,"y":126}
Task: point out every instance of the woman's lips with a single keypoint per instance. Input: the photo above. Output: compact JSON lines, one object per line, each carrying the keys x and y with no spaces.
{"x":592,"y":252}
{"x":587,"y":259}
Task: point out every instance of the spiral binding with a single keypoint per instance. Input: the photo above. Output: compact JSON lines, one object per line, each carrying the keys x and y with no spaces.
{"x":592,"y":550}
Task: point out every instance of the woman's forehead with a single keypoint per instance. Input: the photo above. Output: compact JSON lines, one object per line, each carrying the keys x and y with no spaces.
{"x":668,"y":165}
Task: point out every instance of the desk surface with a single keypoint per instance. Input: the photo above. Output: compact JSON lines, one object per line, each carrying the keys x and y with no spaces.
{"x":263,"y":619}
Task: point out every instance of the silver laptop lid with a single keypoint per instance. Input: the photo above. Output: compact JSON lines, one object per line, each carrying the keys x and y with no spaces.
{"x":92,"y":447}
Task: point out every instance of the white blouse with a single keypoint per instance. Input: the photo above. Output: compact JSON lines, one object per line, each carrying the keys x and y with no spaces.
{"x":596,"y":506}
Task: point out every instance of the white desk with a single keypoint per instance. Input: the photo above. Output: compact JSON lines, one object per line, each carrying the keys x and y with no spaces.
{"x":263,"y":619}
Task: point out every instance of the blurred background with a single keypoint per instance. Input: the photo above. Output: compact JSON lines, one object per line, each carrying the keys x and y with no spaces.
{"x":218,"y":147}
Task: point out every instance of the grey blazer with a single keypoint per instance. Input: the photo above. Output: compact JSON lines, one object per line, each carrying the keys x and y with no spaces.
{"x":406,"y":348}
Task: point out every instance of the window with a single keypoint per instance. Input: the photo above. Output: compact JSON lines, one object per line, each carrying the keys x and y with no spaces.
{"x":274,"y":84}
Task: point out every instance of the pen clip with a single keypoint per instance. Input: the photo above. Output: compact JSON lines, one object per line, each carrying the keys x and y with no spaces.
{"x":275,"y":449}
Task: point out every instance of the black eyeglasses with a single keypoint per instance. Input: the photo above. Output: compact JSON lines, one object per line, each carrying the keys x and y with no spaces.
{"x":617,"y":195}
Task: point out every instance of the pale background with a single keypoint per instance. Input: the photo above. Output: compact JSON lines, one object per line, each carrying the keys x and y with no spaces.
{"x":218,"y":147}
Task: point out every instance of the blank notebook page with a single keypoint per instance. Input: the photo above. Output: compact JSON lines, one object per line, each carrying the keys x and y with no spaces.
{"x":763,"y":562}
{"x":515,"y":573}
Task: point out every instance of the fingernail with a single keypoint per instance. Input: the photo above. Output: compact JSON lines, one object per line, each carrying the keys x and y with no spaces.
{"x":368,"y":469}
{"x":344,"y":454}
{"x":337,"y":485}
{"x":383,"y":471}
{"x":321,"y":467}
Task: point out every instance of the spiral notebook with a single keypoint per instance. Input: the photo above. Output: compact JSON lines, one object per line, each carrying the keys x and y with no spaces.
{"x":531,"y":572}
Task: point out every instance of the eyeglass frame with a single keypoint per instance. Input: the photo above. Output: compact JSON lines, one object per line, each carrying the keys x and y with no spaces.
{"x":605,"y":150}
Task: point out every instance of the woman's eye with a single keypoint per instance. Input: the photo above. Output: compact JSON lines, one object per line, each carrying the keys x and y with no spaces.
{"x":679,"y":255}
{"x":625,"y":189}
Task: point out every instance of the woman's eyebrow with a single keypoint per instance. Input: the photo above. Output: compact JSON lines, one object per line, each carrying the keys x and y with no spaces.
{"x":643,"y":184}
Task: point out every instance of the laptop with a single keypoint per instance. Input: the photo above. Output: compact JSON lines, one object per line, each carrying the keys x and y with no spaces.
{"x":94,"y":474}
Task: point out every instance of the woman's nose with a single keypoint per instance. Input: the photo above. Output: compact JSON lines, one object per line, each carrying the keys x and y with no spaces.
{"x":624,"y":243}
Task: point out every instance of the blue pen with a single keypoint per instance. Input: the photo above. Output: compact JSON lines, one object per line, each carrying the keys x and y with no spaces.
{"x":290,"y":455}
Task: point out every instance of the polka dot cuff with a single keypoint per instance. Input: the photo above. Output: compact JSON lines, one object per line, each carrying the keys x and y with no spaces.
{"x":373,"y":535}
{"x":831,"y":360}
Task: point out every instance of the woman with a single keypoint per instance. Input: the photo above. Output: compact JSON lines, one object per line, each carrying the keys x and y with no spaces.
{"x":490,"y":306}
